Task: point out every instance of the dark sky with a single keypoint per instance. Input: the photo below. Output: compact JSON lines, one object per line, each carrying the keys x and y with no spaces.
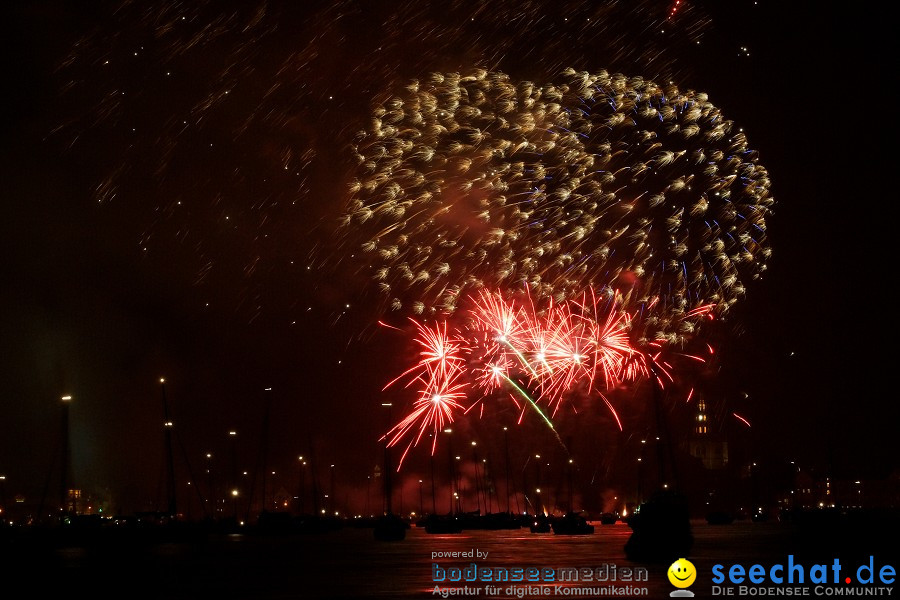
{"x":224,"y":307}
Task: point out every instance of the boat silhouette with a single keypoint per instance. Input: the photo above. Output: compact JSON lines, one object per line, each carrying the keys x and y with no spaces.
{"x":572,"y":524}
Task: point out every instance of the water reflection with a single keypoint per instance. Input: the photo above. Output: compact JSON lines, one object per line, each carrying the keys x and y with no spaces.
{"x":351,"y":564}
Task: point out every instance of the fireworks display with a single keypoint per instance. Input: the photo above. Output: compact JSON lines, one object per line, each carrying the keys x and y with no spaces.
{"x":553,"y":232}
{"x":579,"y":346}
{"x":524,"y":256}
{"x":617,"y":183}
{"x":553,"y":352}
{"x":475,"y":189}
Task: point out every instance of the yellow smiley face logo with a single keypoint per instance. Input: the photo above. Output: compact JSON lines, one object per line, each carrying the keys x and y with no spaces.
{"x":682,"y":573}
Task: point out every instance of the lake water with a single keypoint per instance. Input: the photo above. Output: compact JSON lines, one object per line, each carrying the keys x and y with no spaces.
{"x":351,"y":564}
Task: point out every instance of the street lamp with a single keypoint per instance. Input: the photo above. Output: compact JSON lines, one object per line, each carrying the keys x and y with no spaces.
{"x":333,"y":497}
{"x":64,"y":483}
{"x":477,"y":480}
{"x":450,"y":471}
{"x":387,"y":502}
{"x":209,"y":481}
{"x":232,"y":435}
{"x":301,"y":488}
{"x":506,"y":456}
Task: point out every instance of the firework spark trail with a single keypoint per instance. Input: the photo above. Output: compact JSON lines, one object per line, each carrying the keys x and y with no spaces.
{"x":468,"y":181}
{"x":567,"y":355}
{"x":432,"y":410}
{"x":492,"y":374}
{"x":439,"y":354}
{"x":538,"y":410}
{"x":613,"y":411}
{"x":612,"y":347}
{"x":741,"y":419}
{"x":506,"y":323}
{"x":572,"y":345}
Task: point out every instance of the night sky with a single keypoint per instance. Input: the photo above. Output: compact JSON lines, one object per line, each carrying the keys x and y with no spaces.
{"x":171,"y":213}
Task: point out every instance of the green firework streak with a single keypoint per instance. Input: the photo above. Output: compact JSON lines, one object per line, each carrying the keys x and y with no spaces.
{"x":532,"y":402}
{"x":538,"y":410}
{"x":524,"y":362}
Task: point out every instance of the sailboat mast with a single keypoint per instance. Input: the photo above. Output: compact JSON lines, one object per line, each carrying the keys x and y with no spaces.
{"x":170,"y":459}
